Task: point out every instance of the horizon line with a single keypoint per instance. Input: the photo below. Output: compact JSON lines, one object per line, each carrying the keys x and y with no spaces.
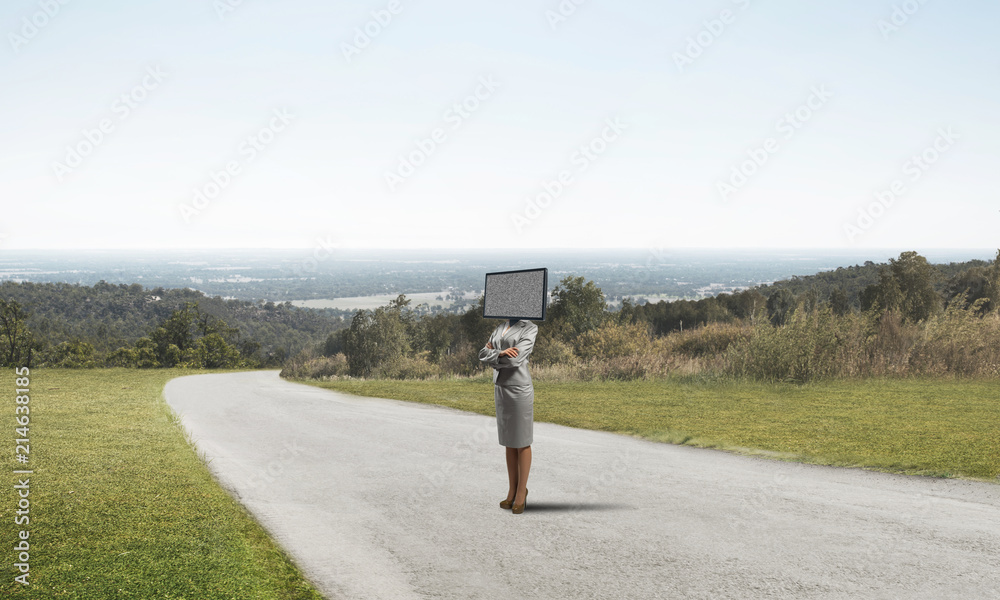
{"x":497,"y":248}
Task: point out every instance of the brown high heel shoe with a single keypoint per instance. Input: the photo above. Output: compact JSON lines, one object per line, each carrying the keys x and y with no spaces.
{"x":519,"y":508}
{"x":506,"y":504}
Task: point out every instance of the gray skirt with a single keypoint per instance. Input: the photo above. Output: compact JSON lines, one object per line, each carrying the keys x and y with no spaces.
{"x":515,"y":406}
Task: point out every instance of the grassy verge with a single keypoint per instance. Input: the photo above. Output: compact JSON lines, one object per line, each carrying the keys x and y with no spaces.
{"x":122,"y":507}
{"x":935,"y":427}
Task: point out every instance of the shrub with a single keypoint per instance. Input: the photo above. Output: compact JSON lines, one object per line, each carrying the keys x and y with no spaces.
{"x":637,"y":366}
{"x":329,"y":366}
{"x":713,"y":339}
{"x":888,"y":345}
{"x":811,"y":346}
{"x":614,"y":340}
{"x":551,"y":351}
{"x":74,"y":354}
{"x":462,"y":360}
{"x":303,"y":366}
{"x":410,"y":368}
{"x":563,"y":372}
{"x":211,"y":352}
{"x":960,"y":342}
{"x":141,"y":356}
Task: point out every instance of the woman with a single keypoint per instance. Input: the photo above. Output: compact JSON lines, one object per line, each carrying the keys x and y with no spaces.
{"x":514,"y":397}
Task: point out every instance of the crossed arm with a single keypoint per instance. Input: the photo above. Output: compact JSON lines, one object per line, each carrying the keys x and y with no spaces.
{"x":510,"y":358}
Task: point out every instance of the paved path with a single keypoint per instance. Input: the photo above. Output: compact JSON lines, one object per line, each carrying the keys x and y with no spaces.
{"x":386,"y":499}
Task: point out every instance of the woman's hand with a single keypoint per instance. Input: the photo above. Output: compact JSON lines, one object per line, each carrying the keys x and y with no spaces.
{"x":511,"y":352}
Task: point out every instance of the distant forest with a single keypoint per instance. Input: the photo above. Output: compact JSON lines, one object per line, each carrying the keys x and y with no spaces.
{"x":904,"y":318}
{"x":108,"y":317}
{"x":843,"y":288}
{"x":71,"y":325}
{"x":294,"y":275}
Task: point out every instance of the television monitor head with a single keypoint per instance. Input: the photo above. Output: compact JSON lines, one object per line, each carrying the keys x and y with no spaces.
{"x":516,"y":294}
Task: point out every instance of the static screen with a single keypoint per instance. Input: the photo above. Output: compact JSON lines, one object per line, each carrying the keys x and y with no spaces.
{"x":516,"y":294}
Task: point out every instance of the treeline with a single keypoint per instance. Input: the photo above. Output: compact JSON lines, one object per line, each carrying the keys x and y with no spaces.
{"x":847,"y":289}
{"x":905,"y":317}
{"x":64,"y":320}
{"x":909,"y":317}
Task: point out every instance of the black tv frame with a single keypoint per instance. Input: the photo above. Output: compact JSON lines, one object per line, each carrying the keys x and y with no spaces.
{"x":545,"y":293}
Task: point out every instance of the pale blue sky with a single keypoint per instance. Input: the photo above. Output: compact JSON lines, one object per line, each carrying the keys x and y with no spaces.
{"x":656,"y":184}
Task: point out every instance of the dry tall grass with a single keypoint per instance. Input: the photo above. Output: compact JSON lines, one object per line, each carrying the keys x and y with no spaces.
{"x":959,"y":342}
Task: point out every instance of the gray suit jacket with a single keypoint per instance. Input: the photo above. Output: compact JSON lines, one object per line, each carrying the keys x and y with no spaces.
{"x":507,"y":370}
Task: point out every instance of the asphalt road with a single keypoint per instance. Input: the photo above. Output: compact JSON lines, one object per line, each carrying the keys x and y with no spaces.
{"x":386,"y":499}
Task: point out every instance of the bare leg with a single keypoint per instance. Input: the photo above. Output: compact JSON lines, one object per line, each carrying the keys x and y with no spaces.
{"x":523,"y":466}
{"x":511,"y":472}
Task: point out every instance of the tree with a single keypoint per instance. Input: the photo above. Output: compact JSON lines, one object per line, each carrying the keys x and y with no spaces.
{"x":839,"y":303}
{"x":809,"y":300}
{"x":334,"y":343}
{"x":16,"y":342}
{"x":884,"y":296}
{"x":177,"y":331}
{"x":993,"y":284}
{"x":475,"y":328}
{"x":142,"y":356}
{"x":627,"y":312}
{"x":249,"y":351}
{"x":376,"y":340}
{"x":907,"y":287}
{"x":975,"y":283}
{"x":916,"y":281}
{"x":407,"y":316}
{"x":73,"y":354}
{"x":211,"y":352}
{"x":748,"y":305}
{"x":577,"y":307}
{"x":780,"y":306}
{"x":436,"y":334}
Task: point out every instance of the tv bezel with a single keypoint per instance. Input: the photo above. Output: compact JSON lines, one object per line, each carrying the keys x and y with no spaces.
{"x":545,"y":293}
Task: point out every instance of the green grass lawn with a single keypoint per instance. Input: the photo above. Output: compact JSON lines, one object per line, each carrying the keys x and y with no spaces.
{"x":122,"y":506}
{"x":936,"y":427}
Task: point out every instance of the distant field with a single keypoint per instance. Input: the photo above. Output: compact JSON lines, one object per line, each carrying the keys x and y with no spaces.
{"x":121,"y":505}
{"x":654,"y":298}
{"x":943,"y":428}
{"x":370,"y":302}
